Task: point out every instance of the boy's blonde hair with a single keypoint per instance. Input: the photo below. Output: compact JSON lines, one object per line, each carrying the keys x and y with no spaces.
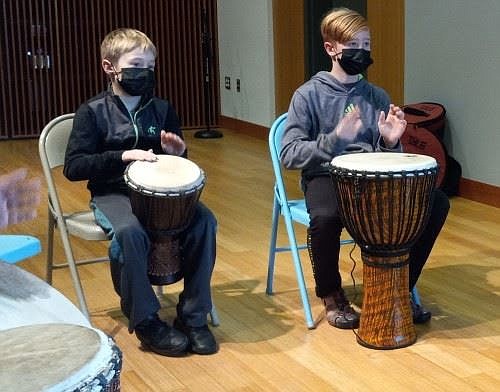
{"x":124,"y":40}
{"x":341,"y":25}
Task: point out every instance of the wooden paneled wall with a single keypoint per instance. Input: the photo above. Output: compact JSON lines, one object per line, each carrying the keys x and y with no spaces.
{"x":52,"y":61}
{"x":289,"y":60}
{"x":386,"y":20}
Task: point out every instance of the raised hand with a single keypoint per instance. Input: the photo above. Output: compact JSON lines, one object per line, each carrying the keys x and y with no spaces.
{"x":392,"y":127}
{"x":350,"y":125}
{"x":19,"y":197}
{"x":172,"y":144}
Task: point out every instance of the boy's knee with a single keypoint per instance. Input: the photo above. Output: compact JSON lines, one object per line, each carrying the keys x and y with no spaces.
{"x":441,"y":204}
{"x":131,"y":232}
{"x":205,"y":217}
{"x":326,"y":222}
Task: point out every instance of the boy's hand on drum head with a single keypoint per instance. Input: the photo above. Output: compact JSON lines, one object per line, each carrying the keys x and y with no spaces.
{"x":172,"y":144}
{"x":139,"y":155}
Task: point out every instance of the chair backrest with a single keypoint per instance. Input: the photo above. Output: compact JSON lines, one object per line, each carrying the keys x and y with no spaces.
{"x":52,"y":149}
{"x":275,"y":135}
{"x":53,"y":141}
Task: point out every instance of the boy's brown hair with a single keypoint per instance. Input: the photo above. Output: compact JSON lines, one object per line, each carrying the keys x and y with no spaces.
{"x":341,"y":25}
{"x":124,"y":40}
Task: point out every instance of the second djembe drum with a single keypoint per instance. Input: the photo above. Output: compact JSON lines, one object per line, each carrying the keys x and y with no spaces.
{"x":384,"y":201}
{"x":163,"y":195}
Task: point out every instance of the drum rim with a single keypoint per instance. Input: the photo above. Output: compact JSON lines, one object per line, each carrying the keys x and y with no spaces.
{"x":182,"y":190}
{"x":429,"y":165}
{"x":96,"y":364}
{"x":389,"y":174}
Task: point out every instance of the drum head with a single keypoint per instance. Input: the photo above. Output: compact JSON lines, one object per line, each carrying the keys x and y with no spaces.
{"x":169,"y":174}
{"x":45,"y":356}
{"x":384,"y":162}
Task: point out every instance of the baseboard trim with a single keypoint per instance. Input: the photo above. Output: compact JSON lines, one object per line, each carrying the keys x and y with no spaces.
{"x":244,"y":126}
{"x":468,"y":189}
{"x":478,"y":191}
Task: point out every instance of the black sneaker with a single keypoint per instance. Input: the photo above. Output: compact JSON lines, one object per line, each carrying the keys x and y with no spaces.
{"x":157,"y":336}
{"x":201,"y":339}
{"x":420,"y":314}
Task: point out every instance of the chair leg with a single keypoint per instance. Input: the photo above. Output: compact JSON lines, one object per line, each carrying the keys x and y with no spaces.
{"x":214,"y":317}
{"x":74,"y":272}
{"x":50,"y":248}
{"x":415,"y":296}
{"x":159,"y":291}
{"x":298,"y":271}
{"x":272,"y":247}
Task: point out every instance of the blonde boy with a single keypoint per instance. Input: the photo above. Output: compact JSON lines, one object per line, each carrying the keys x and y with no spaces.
{"x":127,"y":123}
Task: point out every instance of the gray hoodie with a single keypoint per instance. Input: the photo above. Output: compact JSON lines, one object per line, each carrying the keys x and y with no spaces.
{"x":316,"y":109}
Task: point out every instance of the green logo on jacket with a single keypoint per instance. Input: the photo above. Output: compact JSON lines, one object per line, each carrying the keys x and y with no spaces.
{"x":152,"y":130}
{"x":349,"y":108}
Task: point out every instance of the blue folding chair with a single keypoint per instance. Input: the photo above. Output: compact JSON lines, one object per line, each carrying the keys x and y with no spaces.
{"x":292,"y":211}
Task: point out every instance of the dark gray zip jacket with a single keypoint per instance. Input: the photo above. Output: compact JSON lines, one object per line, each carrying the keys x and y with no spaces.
{"x":316,"y":109}
{"x":103,"y":129}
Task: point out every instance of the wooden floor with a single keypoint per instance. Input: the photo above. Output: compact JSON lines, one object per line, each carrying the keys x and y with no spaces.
{"x":264,"y":342}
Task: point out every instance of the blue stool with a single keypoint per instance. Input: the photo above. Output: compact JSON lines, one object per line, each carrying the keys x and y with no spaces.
{"x":14,"y":248}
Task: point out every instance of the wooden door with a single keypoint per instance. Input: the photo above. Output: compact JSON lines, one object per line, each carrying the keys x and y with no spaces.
{"x":27,"y":66}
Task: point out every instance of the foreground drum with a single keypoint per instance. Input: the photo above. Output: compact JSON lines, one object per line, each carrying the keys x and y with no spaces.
{"x":58,"y":357}
{"x":384,"y":201}
{"x":164,"y":195}
{"x":26,"y":299}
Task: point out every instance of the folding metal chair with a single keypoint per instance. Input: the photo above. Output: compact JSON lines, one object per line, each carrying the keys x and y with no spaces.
{"x":81,"y":224}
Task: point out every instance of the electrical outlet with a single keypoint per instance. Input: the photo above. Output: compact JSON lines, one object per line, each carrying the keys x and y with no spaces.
{"x":227,"y":83}
{"x":238,"y":87}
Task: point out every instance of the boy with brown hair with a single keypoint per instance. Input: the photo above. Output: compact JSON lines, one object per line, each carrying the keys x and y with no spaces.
{"x":340,"y":112}
{"x":123,"y":124}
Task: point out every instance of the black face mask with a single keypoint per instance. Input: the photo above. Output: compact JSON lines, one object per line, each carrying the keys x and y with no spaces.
{"x":137,"y":81}
{"x":355,"y":61}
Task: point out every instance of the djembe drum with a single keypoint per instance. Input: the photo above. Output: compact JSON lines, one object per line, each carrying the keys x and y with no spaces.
{"x":384,"y":201}
{"x":59,"y":358}
{"x":163,"y":195}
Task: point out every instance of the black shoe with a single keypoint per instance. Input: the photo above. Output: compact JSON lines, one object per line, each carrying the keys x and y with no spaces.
{"x":421,"y":315}
{"x":201,"y":339}
{"x":339,"y":312}
{"x":157,"y":336}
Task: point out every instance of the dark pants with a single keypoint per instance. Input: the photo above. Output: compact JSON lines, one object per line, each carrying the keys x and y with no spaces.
{"x":129,"y":251}
{"x":325,"y":229}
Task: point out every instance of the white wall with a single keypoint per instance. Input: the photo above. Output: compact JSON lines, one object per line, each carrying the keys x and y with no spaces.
{"x":245,"y":42}
{"x":453,"y":57}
